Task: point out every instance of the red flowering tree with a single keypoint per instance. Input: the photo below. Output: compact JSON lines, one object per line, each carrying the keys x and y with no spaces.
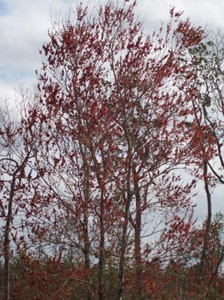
{"x":111,"y":122}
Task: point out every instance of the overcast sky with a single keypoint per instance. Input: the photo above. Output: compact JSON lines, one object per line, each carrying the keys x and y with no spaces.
{"x":24,"y":26}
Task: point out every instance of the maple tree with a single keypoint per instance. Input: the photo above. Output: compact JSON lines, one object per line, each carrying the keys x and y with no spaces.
{"x":113,"y":128}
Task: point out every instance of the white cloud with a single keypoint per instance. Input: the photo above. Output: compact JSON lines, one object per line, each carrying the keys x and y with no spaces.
{"x":200,"y":12}
{"x":24,"y":27}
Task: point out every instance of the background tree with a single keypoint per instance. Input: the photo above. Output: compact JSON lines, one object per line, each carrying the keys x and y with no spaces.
{"x":16,"y":184}
{"x":208,"y":65}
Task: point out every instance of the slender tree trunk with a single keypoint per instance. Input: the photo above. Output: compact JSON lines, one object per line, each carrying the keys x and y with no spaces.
{"x":138,"y":222}
{"x":7,"y":255}
{"x":208,"y":222}
{"x":124,"y":240}
{"x":7,"y":240}
{"x":86,"y":226}
{"x":121,"y":271}
{"x":101,"y":290}
{"x":87,"y":253}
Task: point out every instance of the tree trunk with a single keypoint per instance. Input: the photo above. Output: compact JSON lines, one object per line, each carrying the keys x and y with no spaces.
{"x":6,"y":280}
{"x":208,"y":222}
{"x":124,"y":240}
{"x":101,"y":289}
{"x":121,"y":271}
{"x":86,"y":226}
{"x":138,"y":221}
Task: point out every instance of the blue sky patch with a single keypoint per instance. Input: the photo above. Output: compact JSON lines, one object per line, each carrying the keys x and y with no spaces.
{"x":4,"y":10}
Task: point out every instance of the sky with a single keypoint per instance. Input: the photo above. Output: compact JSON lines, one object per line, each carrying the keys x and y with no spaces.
{"x":24,"y":26}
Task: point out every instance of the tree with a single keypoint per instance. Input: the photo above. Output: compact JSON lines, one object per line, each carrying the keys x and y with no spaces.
{"x":208,"y":65}
{"x":16,"y":184}
{"x":112,"y":112}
